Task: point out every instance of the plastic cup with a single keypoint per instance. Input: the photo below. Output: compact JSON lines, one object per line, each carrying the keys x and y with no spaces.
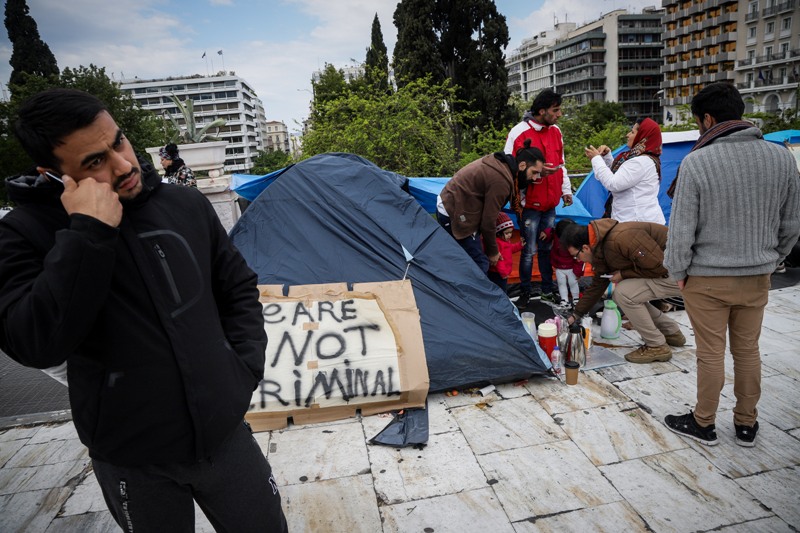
{"x":571,"y":369}
{"x":529,"y":321}
{"x":547,"y":337}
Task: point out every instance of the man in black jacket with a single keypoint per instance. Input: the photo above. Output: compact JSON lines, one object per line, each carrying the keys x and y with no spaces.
{"x":135,"y":285}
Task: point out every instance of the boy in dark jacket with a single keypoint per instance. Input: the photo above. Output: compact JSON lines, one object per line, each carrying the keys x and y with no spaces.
{"x":135,"y":285}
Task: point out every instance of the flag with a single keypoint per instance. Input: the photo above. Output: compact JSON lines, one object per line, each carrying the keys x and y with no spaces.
{"x":760,"y":75}
{"x":203,"y":56}
{"x":794,"y":73}
{"x":219,"y":52}
{"x":669,"y":116}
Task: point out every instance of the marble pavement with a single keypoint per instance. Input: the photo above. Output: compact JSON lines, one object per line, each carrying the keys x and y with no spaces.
{"x":529,"y":457}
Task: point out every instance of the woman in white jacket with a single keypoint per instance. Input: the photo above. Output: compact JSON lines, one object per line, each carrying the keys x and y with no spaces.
{"x":633,"y":177}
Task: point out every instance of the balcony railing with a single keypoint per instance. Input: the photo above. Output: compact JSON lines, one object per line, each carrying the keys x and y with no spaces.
{"x":753,"y":15}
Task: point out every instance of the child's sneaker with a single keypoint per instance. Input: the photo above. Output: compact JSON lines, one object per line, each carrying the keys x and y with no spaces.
{"x":550,"y":297}
{"x":746,"y":435}
{"x":687,"y":426}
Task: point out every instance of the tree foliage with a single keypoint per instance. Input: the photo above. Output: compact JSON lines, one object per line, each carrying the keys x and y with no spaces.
{"x":595,"y":123}
{"x":416,"y":53}
{"x":461,"y":41}
{"x":29,"y":55}
{"x":141,"y":126}
{"x":377,"y":62}
{"x":269,"y":161}
{"x":409,"y":131}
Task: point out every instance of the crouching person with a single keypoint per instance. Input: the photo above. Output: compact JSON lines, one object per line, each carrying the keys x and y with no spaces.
{"x":631,"y":255}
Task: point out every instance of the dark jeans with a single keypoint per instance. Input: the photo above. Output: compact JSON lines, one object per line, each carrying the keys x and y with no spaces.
{"x":234,"y":488}
{"x":471,"y":245}
{"x":499,"y":281}
{"x":534,"y":222}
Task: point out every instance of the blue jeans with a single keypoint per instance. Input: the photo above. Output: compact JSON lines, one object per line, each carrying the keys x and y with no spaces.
{"x":534,"y":222}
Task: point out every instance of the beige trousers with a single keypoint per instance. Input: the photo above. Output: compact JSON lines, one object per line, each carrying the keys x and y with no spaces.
{"x":633,"y":298}
{"x":732,"y":305}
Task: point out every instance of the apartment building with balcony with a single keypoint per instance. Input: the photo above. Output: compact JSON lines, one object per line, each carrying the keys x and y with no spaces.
{"x":530,"y":67}
{"x":223,"y":96}
{"x":768,"y":55}
{"x":616,"y":58}
{"x":700,"y":47}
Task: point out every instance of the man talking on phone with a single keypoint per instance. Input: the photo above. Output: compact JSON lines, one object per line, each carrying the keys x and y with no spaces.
{"x":135,"y":285}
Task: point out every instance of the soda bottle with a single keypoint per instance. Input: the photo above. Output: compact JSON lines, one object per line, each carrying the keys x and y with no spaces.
{"x":555,"y":359}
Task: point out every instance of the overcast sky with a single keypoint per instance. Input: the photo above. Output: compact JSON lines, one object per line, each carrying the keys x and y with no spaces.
{"x":275,"y":45}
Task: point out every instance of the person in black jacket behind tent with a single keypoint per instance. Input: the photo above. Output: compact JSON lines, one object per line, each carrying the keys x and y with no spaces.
{"x":135,"y":285}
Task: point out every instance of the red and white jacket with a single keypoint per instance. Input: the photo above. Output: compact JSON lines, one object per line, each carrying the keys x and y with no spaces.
{"x":547,"y":194}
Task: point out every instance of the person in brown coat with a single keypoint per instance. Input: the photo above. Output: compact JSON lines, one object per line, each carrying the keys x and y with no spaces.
{"x":468,"y":205}
{"x":631,"y":255}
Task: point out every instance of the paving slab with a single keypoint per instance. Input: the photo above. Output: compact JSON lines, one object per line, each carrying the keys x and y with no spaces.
{"x":473,"y":510}
{"x":9,"y":449}
{"x":100,"y":522}
{"x":52,"y":452}
{"x":343,"y":504}
{"x":546,"y":479}
{"x":31,"y":510}
{"x":317,"y":452}
{"x":609,"y":518}
{"x":682,"y":491}
{"x":507,"y":424}
{"x":591,"y":391}
{"x":445,"y":466}
{"x":619,"y":432}
{"x":778,"y":491}
{"x":14,"y":480}
{"x":779,"y":403}
{"x":772,"y":524}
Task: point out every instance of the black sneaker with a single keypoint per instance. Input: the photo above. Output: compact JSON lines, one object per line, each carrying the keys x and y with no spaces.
{"x":550,"y":297}
{"x":746,"y":435}
{"x":522,"y":301}
{"x":687,"y":426}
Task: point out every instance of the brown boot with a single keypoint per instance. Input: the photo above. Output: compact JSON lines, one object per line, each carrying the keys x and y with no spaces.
{"x":676,"y":339}
{"x":649,"y":354}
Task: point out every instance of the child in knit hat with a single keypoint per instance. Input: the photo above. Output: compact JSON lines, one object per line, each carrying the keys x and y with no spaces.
{"x":504,"y":229}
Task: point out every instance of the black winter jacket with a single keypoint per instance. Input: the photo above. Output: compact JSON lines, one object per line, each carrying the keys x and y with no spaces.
{"x":158,"y":319}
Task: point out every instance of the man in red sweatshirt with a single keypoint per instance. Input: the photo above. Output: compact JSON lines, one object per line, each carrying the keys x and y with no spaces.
{"x":539,"y":199}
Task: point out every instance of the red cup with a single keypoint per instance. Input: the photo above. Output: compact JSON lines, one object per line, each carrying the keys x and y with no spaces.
{"x":548,"y":334}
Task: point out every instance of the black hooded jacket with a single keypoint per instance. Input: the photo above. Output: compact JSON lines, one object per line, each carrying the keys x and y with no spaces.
{"x":158,"y":319}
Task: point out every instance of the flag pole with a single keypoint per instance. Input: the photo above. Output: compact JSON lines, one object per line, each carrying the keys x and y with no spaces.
{"x":223,"y":60}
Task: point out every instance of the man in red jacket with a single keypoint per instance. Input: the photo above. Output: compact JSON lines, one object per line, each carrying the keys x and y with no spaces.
{"x":539,"y":199}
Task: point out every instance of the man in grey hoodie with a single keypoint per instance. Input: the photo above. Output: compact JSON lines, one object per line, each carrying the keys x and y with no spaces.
{"x":735,"y":217}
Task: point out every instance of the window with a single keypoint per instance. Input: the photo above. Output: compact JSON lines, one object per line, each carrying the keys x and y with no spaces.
{"x":751,"y":33}
{"x":767,"y":51}
{"x":753,"y":7}
{"x":786,"y":24}
{"x":770,"y":28}
{"x":751,"y":54}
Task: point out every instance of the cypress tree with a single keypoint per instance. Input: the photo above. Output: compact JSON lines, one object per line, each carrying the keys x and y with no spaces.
{"x":30,"y":54}
{"x":377,"y":63}
{"x":416,"y":53}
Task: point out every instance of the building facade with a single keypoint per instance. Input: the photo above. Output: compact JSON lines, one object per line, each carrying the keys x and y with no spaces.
{"x":768,"y":55}
{"x":276,"y":137}
{"x":223,"y":96}
{"x":530,"y":67}
{"x":616,"y":58}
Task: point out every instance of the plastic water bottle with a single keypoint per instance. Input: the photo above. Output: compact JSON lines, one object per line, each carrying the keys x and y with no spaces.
{"x":555,"y":360}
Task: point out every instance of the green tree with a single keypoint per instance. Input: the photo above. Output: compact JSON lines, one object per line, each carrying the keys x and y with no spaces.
{"x":377,"y":63}
{"x":408,"y":131}
{"x":416,"y":53}
{"x":269,"y":161}
{"x":595,"y":123}
{"x":461,"y":41}
{"x":141,"y":126}
{"x":29,"y":53}
{"x":684,"y":121}
{"x":330,"y":86}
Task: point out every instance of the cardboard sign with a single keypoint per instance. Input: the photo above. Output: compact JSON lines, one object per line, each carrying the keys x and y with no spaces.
{"x":334,"y":351}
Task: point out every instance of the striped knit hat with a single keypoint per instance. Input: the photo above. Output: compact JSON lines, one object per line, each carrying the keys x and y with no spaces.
{"x":502,"y":222}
